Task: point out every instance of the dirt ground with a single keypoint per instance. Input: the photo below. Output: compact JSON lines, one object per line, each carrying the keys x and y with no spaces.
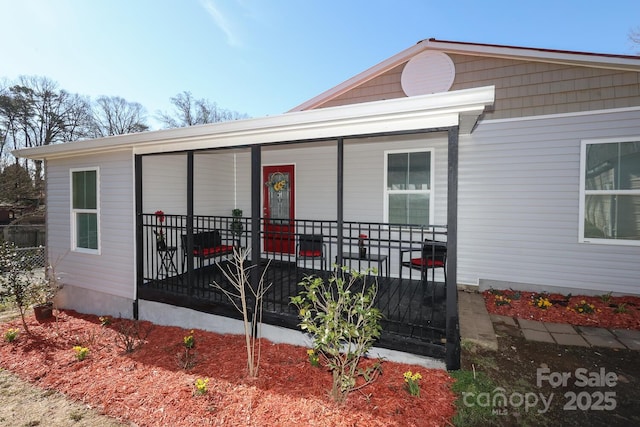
{"x":24,"y":405}
{"x":585,"y":393}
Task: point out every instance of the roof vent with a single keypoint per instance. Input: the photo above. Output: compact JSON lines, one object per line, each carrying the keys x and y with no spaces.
{"x":428,"y":72}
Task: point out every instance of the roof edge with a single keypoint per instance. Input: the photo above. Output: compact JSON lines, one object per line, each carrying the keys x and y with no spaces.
{"x":400,"y":114}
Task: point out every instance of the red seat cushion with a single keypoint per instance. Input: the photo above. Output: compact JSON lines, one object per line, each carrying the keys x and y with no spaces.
{"x":310,"y":253}
{"x":216,"y":250}
{"x":429,"y":263}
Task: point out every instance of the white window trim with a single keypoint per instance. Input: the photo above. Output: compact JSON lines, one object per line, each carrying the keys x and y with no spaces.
{"x":583,"y":192}
{"x":73,"y":211}
{"x":431,"y":190}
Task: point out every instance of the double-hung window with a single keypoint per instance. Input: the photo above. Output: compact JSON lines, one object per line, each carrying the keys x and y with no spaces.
{"x":84,"y":210}
{"x":610,"y":191}
{"x":408,"y":187}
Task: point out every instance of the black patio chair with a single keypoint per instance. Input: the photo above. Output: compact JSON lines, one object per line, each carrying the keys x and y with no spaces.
{"x":311,"y":246}
{"x":432,"y":255}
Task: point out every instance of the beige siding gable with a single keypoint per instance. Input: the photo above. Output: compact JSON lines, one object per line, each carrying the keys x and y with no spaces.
{"x":523,"y":88}
{"x":384,"y":86}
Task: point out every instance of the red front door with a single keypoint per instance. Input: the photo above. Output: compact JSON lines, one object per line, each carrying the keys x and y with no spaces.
{"x":279,"y":208}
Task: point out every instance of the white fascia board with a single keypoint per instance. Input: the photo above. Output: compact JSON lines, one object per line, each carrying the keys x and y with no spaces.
{"x":295,"y":133}
{"x":393,"y":115}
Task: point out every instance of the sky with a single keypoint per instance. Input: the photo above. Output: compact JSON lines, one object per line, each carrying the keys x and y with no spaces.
{"x":265,"y":57}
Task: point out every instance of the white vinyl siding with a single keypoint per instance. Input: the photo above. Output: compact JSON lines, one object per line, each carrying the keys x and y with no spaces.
{"x":113,"y":270}
{"x":519,"y":197}
{"x":315,"y":177}
{"x":164,"y":184}
{"x":365,"y":170}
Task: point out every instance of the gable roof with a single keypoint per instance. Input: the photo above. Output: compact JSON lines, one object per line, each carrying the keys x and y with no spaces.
{"x":584,"y":59}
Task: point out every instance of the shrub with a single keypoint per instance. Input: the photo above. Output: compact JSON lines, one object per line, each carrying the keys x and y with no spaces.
{"x":344,"y":325}
{"x":11,"y":334}
{"x":131,"y":334}
{"x":17,"y":282}
{"x":238,"y":275}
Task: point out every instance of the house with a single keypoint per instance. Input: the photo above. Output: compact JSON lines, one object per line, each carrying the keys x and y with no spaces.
{"x":524,"y":164}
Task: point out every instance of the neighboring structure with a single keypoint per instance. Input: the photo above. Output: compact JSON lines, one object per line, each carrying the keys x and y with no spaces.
{"x":7,"y":213}
{"x":530,"y":158}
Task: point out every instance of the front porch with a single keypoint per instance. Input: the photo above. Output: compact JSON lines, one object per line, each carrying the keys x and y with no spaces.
{"x":372,"y":180}
{"x":412,"y":300}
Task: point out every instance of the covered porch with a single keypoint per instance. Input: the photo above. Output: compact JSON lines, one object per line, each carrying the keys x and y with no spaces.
{"x":334,"y":169}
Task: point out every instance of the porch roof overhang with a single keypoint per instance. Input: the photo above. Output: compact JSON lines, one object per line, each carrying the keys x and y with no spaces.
{"x":461,"y":108}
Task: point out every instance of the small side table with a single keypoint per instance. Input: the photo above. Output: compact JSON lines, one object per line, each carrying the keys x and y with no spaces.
{"x":380,"y":259}
{"x":167,"y":265}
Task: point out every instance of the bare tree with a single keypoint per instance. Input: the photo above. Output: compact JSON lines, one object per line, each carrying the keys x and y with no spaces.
{"x":189,"y":111}
{"x":116,"y":116}
{"x":5,"y":122}
{"x":634,"y":36}
{"x":78,"y":119}
{"x":34,"y":113}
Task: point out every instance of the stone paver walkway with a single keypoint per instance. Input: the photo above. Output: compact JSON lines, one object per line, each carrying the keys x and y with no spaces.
{"x":583,"y":336}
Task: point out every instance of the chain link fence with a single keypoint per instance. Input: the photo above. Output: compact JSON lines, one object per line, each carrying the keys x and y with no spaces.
{"x":29,"y":241}
{"x":32,"y":258}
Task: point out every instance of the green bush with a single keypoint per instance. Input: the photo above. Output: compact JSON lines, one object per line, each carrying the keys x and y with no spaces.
{"x":344,"y":325}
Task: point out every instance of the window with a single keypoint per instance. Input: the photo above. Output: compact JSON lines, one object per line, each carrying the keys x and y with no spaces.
{"x":408,"y":188}
{"x":610,"y":192}
{"x":84,"y":210}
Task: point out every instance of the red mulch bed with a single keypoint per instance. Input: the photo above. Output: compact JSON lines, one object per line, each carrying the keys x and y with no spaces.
{"x":564,"y":309}
{"x":148,"y":387}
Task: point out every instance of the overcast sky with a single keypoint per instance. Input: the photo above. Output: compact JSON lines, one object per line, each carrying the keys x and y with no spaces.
{"x":264,"y":57}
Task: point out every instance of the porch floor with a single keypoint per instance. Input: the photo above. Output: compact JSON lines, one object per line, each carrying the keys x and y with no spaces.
{"x":413,"y":313}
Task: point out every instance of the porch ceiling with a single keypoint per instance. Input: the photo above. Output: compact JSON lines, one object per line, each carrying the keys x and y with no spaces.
{"x":460,"y":108}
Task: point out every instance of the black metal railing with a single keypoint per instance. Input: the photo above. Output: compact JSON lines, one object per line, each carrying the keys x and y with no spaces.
{"x":410,"y":290}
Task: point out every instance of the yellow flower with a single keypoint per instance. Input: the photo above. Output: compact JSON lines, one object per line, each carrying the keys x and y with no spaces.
{"x":81,"y":352}
{"x":412,"y":382}
{"x":201,"y":385}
